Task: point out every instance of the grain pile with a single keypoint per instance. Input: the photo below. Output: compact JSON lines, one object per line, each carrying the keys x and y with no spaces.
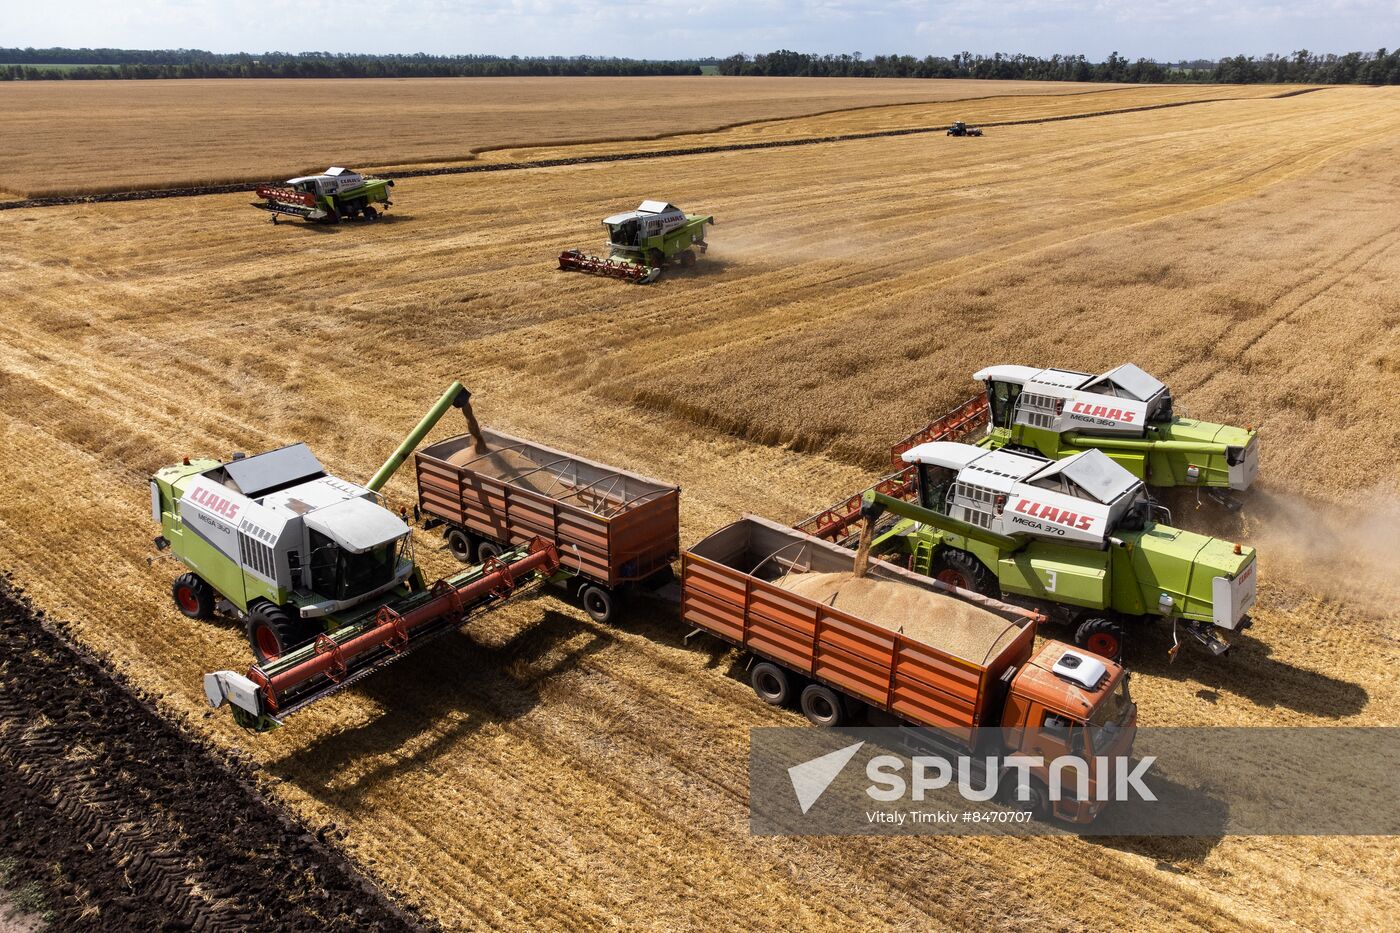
{"x":509,"y":466}
{"x":948,"y":624}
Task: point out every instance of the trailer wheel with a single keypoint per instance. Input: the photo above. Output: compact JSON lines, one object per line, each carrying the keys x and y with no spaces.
{"x":772,"y":683}
{"x":273,"y":631}
{"x":487,"y":550}
{"x":597,"y":602}
{"x":193,"y":597}
{"x":460,"y":544}
{"x":823,"y":706}
{"x":1103,"y":637}
{"x":959,"y":568}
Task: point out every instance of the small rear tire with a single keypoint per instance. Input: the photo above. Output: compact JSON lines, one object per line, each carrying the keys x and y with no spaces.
{"x":823,"y":706}
{"x":772,"y":683}
{"x":688,"y":259}
{"x":273,"y":631}
{"x":597,"y":602}
{"x":193,"y":597}
{"x":460,"y":544}
{"x":371,"y":214}
{"x":1103,"y":637}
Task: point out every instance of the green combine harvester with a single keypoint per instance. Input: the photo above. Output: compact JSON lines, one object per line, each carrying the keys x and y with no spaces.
{"x":1125,"y":413}
{"x":320,"y":573}
{"x":642,"y":242}
{"x":335,"y":195}
{"x":1076,"y":539}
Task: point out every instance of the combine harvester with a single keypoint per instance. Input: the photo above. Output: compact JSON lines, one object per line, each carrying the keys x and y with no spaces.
{"x":335,"y":195}
{"x":321,"y":574}
{"x":642,"y":242}
{"x":1125,"y":413}
{"x":1075,"y":539}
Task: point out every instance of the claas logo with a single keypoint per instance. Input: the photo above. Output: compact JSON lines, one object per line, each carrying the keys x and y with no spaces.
{"x":1049,"y":513}
{"x":214,"y":503}
{"x":1102,"y":411}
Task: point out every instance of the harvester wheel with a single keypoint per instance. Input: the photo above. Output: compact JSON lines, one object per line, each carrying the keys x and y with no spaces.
{"x":487,"y":550}
{"x":370,"y":213}
{"x":823,"y":706}
{"x":273,"y":631}
{"x":597,"y":602}
{"x":1103,"y":637}
{"x":961,"y":569}
{"x":193,"y":597}
{"x":460,"y":544}
{"x":687,"y":258}
{"x":772,"y":683}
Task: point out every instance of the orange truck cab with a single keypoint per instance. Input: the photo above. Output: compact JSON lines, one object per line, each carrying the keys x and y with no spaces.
{"x":1067,"y":702}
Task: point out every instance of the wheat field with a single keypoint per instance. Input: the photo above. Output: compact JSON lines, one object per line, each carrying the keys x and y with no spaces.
{"x":541,"y":769}
{"x":65,"y":137}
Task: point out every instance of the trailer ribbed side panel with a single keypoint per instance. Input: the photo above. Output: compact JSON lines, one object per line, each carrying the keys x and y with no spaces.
{"x":888,"y":670}
{"x":635,"y":539}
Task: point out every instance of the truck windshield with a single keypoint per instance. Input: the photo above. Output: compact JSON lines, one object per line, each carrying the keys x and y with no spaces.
{"x":338,"y":574}
{"x":1108,"y":719}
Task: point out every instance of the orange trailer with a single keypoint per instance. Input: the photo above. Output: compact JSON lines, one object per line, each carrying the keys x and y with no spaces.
{"x":613,"y":528}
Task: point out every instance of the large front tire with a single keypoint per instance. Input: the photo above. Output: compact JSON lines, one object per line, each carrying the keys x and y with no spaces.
{"x":273,"y":631}
{"x":1103,"y":637}
{"x":961,"y":569}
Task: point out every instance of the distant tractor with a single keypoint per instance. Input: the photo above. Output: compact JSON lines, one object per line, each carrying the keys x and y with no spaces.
{"x":642,"y":242}
{"x":959,"y":128}
{"x":335,"y":195}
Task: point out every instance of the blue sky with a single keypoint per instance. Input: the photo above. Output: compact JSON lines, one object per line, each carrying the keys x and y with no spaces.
{"x":1160,"y":29}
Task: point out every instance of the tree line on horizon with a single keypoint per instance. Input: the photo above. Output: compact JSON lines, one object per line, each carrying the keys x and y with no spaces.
{"x":1302,"y":67}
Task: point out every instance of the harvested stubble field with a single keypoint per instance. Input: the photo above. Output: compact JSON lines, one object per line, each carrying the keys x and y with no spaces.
{"x":63,"y":137}
{"x":541,"y":769}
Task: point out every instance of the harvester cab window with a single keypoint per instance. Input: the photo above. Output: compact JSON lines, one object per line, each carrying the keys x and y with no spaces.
{"x":339,"y":574}
{"x":625,"y":233}
{"x":935,"y":486}
{"x":1003,"y":397}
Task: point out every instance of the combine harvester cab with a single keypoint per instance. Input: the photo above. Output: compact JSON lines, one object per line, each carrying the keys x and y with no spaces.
{"x":335,"y":195}
{"x":641,"y":243}
{"x":319,"y":571}
{"x":953,"y":666}
{"x":1075,"y":538}
{"x":1125,"y":413}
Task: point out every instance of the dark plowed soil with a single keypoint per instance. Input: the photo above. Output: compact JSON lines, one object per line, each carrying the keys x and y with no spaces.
{"x":128,"y":824}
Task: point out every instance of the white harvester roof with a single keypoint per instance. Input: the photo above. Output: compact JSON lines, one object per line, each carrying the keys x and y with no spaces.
{"x":998,"y":470}
{"x":1134,"y":381}
{"x":656,"y":207}
{"x":357,"y":524}
{"x":1094,"y":472}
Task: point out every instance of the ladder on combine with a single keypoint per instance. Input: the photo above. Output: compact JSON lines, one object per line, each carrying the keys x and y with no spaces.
{"x":922,"y":560}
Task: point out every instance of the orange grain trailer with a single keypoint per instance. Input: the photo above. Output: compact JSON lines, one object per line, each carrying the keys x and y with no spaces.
{"x":613,"y":529}
{"x":737,"y":584}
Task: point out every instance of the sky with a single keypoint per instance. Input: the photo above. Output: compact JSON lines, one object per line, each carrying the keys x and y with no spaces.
{"x":1167,"y":30}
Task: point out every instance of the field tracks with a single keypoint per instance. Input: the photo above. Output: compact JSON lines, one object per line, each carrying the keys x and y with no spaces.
{"x":475,"y":167}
